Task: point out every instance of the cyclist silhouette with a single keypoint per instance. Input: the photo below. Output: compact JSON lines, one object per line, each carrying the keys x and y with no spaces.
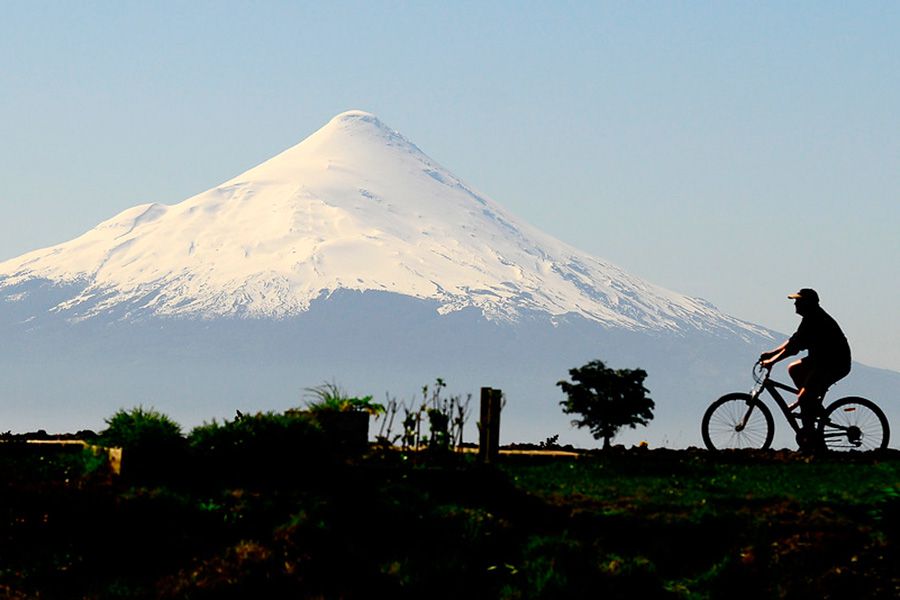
{"x":826,"y":362}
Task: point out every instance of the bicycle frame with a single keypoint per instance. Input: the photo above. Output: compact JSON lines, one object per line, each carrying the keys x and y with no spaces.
{"x":772,"y":386}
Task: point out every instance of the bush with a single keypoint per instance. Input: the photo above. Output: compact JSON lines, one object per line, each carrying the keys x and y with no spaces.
{"x":137,"y":428}
{"x":151,"y":442}
{"x":262,"y":445}
{"x":330,"y":398}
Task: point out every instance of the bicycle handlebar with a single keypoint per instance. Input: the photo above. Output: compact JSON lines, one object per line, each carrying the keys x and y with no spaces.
{"x":761,"y":372}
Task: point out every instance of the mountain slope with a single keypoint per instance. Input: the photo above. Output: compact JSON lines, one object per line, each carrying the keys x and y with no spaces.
{"x":355,"y":258}
{"x":355,"y":206}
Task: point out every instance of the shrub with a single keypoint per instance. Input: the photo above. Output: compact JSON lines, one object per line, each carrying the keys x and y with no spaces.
{"x":261,"y":445}
{"x":151,"y":442}
{"x":446,"y":417}
{"x":328,"y":397}
{"x":139,"y":427}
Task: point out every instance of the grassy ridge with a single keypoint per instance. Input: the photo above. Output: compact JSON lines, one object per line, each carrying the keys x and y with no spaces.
{"x":636,"y":524}
{"x":692,"y":479}
{"x":745,"y":524}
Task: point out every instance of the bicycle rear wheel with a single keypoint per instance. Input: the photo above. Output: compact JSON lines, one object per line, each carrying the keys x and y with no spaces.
{"x":737,"y":421}
{"x":854,"y":423}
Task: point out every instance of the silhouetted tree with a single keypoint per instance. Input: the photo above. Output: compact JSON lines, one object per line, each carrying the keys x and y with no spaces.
{"x":607,"y":399}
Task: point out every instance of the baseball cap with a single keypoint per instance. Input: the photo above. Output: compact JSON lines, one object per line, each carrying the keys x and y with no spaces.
{"x":806,"y":294}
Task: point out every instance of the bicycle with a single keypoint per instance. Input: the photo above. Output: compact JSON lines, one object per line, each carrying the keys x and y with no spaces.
{"x":740,"y":420}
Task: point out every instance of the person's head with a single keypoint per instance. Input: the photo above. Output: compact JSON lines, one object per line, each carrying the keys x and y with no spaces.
{"x":805,"y":300}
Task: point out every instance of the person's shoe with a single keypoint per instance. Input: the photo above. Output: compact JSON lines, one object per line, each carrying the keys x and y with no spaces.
{"x":810,"y":442}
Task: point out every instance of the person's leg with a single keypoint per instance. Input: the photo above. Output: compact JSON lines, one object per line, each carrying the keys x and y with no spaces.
{"x":799,"y":371}
{"x":811,"y":407}
{"x":812,"y":387}
{"x":810,"y":398}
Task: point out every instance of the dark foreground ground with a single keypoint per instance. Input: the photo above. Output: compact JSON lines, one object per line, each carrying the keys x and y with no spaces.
{"x":627,"y":524}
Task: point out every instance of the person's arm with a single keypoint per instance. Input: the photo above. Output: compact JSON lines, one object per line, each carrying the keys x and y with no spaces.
{"x":768,"y":359}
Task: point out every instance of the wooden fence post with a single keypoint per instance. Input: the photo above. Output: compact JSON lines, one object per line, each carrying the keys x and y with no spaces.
{"x":489,"y":426}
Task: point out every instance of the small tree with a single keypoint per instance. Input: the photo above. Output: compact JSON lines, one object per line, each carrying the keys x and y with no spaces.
{"x":607,"y":399}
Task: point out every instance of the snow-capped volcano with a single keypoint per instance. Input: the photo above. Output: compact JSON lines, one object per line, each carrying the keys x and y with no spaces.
{"x":354,"y":257}
{"x":355,"y":206}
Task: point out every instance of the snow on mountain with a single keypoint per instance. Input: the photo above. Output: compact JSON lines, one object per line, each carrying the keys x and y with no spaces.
{"x":355,"y":206}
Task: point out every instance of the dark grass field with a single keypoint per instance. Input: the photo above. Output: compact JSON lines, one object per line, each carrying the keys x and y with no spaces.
{"x":622,"y":524}
{"x":740,"y":524}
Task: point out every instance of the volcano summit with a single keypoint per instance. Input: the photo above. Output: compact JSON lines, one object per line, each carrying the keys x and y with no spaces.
{"x":355,"y":206}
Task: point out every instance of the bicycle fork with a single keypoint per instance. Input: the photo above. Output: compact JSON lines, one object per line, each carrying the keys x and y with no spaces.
{"x":751,"y":403}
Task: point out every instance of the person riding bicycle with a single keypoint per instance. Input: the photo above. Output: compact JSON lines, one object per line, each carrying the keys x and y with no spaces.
{"x":827,"y":360}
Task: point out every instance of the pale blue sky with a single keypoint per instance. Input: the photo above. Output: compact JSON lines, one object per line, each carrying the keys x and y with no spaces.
{"x":729,"y":150}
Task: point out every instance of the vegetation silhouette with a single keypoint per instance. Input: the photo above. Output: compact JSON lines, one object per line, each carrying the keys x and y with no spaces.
{"x":607,"y":399}
{"x":615,"y":524}
{"x":152,"y":444}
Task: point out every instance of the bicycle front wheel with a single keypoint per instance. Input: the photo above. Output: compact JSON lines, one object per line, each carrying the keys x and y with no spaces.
{"x":854,"y":423}
{"x":737,"y":421}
